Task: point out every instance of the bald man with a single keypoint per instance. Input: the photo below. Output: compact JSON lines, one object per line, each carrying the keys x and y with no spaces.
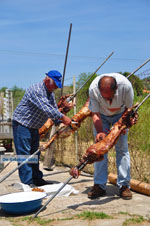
{"x":110,"y":94}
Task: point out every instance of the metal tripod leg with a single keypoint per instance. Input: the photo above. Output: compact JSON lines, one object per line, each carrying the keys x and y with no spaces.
{"x":52,"y":197}
{"x":79,"y":167}
{"x":49,"y":153}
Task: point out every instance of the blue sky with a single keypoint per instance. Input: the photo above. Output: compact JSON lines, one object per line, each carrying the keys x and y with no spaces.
{"x":34,"y":35}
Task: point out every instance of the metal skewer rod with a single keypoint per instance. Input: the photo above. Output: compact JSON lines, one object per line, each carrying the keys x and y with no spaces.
{"x":79,"y":168}
{"x":31,"y":156}
{"x":5,"y":166}
{"x":71,"y":97}
{"x":66,"y":59}
{"x":44,"y":147}
{"x":11,"y":172}
{"x":136,"y":109}
{"x":54,"y":195}
{"x":139,"y":67}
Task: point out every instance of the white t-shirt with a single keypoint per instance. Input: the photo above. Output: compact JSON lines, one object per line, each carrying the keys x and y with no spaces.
{"x":123,"y":97}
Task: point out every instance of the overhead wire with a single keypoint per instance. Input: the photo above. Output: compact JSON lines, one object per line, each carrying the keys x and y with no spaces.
{"x":42,"y":54}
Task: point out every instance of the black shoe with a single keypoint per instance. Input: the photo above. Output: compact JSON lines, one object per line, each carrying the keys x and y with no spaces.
{"x":41,"y":182}
{"x":48,"y":169}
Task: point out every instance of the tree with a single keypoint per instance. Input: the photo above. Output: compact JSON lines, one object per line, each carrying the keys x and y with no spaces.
{"x":17,"y":95}
{"x":3,"y":89}
{"x":146,"y":83}
{"x":136,"y":83}
{"x":84,"y":92}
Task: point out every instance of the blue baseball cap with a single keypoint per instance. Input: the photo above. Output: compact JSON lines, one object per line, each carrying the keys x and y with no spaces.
{"x":56,"y":76}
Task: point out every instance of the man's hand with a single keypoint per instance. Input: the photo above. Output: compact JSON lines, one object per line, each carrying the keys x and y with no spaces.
{"x":129,"y":117}
{"x":100,"y":136}
{"x":74,"y":172}
{"x":63,"y":104}
{"x":69,"y":105}
{"x":134,"y":119}
{"x":66,"y":120}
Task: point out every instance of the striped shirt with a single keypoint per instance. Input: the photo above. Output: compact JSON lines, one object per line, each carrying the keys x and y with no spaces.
{"x":123,"y":96}
{"x":36,"y":106}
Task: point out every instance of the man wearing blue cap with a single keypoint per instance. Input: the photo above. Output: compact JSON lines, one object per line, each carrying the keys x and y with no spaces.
{"x":37,"y":105}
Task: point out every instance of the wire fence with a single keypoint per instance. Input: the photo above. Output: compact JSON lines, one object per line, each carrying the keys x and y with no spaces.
{"x":66,"y":154}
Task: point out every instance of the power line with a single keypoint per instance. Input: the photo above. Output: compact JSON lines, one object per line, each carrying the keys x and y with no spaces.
{"x":40,"y":54}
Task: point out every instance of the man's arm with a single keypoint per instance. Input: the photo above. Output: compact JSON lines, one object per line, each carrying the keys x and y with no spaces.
{"x":97,"y":121}
{"x":49,"y":107}
{"x":94,"y":107}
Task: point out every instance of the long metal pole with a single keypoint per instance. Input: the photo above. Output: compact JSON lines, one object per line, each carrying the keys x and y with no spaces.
{"x":139,"y":67}
{"x":136,"y":109}
{"x":11,"y":172}
{"x":54,"y":195}
{"x":5,"y":166}
{"x":79,"y":168}
{"x":66,"y":59}
{"x":74,"y":95}
{"x":7,"y":175}
{"x":31,"y":156}
{"x":93,"y":73}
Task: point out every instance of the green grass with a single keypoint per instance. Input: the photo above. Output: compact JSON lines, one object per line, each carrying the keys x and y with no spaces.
{"x":86,"y":215}
{"x":93,"y":215}
{"x":37,"y":220}
{"x":29,"y":220}
{"x":134,"y":220}
{"x":139,"y":137}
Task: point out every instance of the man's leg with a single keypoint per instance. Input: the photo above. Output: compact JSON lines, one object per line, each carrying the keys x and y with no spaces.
{"x":123,"y":164}
{"x":123,"y":161}
{"x":100,"y":168}
{"x":122,"y":157}
{"x":123,"y":167}
{"x":36,"y":173}
{"x":22,"y":141}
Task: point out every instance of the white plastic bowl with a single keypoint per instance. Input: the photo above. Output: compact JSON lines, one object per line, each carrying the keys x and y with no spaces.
{"x":21,"y":202}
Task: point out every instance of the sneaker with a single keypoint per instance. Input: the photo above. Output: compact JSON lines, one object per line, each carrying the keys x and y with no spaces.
{"x":125,"y":193}
{"x":96,"y":191}
{"x":41,"y":182}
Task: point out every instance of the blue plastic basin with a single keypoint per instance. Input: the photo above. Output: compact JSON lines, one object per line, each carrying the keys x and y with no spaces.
{"x":21,"y":202}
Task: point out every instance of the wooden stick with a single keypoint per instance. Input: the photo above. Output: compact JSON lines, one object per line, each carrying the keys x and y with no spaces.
{"x":136,"y":185}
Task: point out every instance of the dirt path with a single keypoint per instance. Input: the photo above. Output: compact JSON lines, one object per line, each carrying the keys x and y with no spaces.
{"x":66,"y":210}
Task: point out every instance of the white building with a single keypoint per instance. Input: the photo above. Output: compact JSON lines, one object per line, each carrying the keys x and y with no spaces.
{"x":6,"y":112}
